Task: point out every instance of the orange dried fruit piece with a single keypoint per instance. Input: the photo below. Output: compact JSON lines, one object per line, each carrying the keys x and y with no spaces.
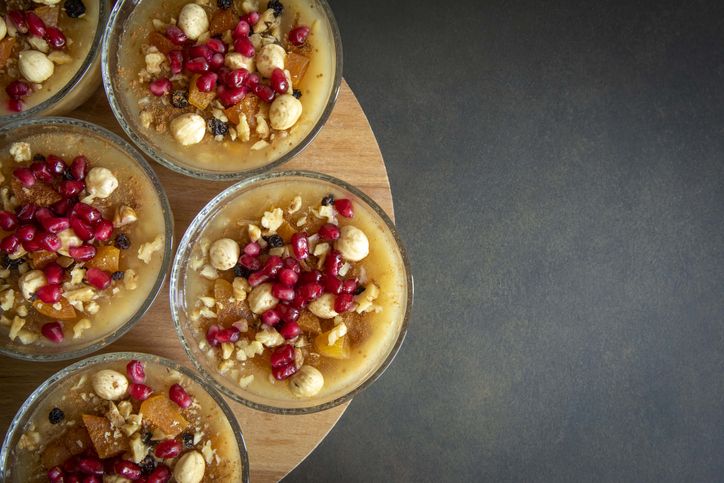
{"x":73,"y":442}
{"x":106,"y":440}
{"x":297,"y":65}
{"x":163,"y":414}
{"x":161,"y":42}
{"x":107,"y":258}
{"x":6,"y":50}
{"x":198,"y":99}
{"x":49,"y":15}
{"x":66,"y":311}
{"x":309,"y":322}
{"x":228,"y":309}
{"x":232,"y":113}
{"x":221,"y":21}
{"x":286,"y":231}
{"x":40,"y":259}
{"x":338,"y":350}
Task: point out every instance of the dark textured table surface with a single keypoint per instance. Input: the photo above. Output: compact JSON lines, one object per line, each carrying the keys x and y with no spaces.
{"x":558,"y":174}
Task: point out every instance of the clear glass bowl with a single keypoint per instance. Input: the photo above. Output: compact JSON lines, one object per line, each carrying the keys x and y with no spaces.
{"x":70,"y":350}
{"x":81,"y":85}
{"x":35,"y":401}
{"x":149,"y":143}
{"x":180,"y":308}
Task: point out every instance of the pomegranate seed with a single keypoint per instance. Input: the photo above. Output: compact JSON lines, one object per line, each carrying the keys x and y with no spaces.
{"x":343,"y":302}
{"x":25,"y":176}
{"x":349,"y":286}
{"x":231,"y":97}
{"x":62,"y":207}
{"x":53,"y":331}
{"x":103,"y":230}
{"x":82,"y":229}
{"x":242,"y":29}
{"x":176,"y":61}
{"x":160,"y":475}
{"x":179,"y":395}
{"x":252,"y":80}
{"x":139,"y":392}
{"x":288,"y":313}
{"x":18,"y":19}
{"x":160,"y":87}
{"x":15,"y":105}
{"x":41,"y":172}
{"x":290,"y":330}
{"x":54,"y":273}
{"x":329,"y":232}
{"x":332,"y":285}
{"x":82,"y":253}
{"x":282,"y":355}
{"x":206,"y":82}
{"x":198,"y":65}
{"x":310,"y":291}
{"x":70,"y":188}
{"x":56,"y":164}
{"x":169,"y":448}
{"x":49,"y":242}
{"x":79,"y":167}
{"x":251,"y":18}
{"x":310,"y":277}
{"x":299,"y":302}
{"x":273,"y":265}
{"x":17,"y":89}
{"x":127,"y":469}
{"x":216,"y":45}
{"x":26,"y":233}
{"x":250,"y":262}
{"x":244,"y":46}
{"x":31,"y":246}
{"x":200,"y":51}
{"x":332,"y":263}
{"x":288,"y":277}
{"x":176,"y":35}
{"x":36,"y":26}
{"x":270,"y":317}
{"x":216,"y":62}
{"x":55,"y":224}
{"x":211,"y":334}
{"x":297,"y":36}
{"x":55,"y":474}
{"x":264,"y":92}
{"x":55,"y":38}
{"x":257,"y":278}
{"x":49,"y":293}
{"x":92,"y":479}
{"x":10,"y":244}
{"x":87,"y":212}
{"x":71,"y":465}
{"x":235,"y":78}
{"x":279,"y":81}
{"x":43,"y":215}
{"x":98,"y":278}
{"x":135,"y":371}
{"x":283,"y":292}
{"x":252,"y":249}
{"x":344,"y":207}
{"x":300,"y":245}
{"x":292,"y":264}
{"x":90,"y":466}
{"x":283,"y":372}
{"x":231,"y":334}
{"x":8,"y":220}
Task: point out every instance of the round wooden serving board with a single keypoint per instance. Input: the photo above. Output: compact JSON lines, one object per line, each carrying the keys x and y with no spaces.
{"x":345,"y":148}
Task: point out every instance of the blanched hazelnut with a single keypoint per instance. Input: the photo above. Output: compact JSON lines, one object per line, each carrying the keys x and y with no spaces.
{"x":352,"y":243}
{"x":270,"y":57}
{"x":190,"y":468}
{"x":100,"y":182}
{"x":193,"y":20}
{"x":31,"y":281}
{"x":307,"y":382}
{"x":284,"y":112}
{"x":50,"y":3}
{"x":109,"y":384}
{"x":188,"y":129}
{"x":125,"y":215}
{"x":261,"y":298}
{"x":323,"y":307}
{"x":3,"y":28}
{"x":224,"y":253}
{"x":35,"y":66}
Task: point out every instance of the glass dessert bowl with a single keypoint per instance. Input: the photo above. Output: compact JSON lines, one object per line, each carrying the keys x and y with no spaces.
{"x":85,"y":238}
{"x":292,"y":291}
{"x":49,"y":55}
{"x":124,"y":417}
{"x":223,"y":90}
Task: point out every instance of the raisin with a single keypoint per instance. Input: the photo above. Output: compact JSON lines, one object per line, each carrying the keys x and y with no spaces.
{"x":297,"y":93}
{"x":122,"y":241}
{"x":275,"y":241}
{"x":277,"y":6}
{"x":146,"y":438}
{"x":68,"y":175}
{"x":117,"y":275}
{"x":359,"y":289}
{"x":188,"y":440}
{"x":180,"y":99}
{"x":240,"y":271}
{"x":74,"y":8}
{"x":328,"y":200}
{"x":218,"y":127}
{"x":38,"y":157}
{"x":56,"y":415}
{"x":224,"y":4}
{"x":147,"y":464}
{"x":12,"y":264}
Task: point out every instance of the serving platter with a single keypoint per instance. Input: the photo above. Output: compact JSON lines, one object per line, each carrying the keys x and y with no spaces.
{"x":346,"y":148}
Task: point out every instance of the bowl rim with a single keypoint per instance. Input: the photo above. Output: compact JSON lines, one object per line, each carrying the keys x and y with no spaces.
{"x":163,"y":158}
{"x":41,"y":391}
{"x":83,"y":70}
{"x":176,"y":286}
{"x":141,"y":163}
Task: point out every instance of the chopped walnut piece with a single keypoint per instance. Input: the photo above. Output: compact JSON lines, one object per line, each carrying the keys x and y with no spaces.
{"x":146,"y":250}
{"x":130,"y":279}
{"x":80,"y":327}
{"x":125,"y":215}
{"x":272,"y":220}
{"x":20,"y":152}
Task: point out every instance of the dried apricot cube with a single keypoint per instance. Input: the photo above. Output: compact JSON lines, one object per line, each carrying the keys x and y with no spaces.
{"x":338,"y":350}
{"x":297,"y":65}
{"x":106,"y":440}
{"x":106,"y":258}
{"x":65,"y":312}
{"x":286,"y":231}
{"x":163,"y":414}
{"x":228,"y":309}
{"x":197,"y":98}
{"x":160,"y":41}
{"x":221,"y":21}
{"x":40,"y":259}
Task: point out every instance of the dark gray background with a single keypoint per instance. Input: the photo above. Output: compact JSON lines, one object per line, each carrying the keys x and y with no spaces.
{"x":558,"y":176}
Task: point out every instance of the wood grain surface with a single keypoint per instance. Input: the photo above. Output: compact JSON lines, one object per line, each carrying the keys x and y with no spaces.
{"x":345,"y":148}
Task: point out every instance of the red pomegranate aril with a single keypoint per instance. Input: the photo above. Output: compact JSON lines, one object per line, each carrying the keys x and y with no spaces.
{"x":10,"y":244}
{"x":216,"y":62}
{"x":135,"y":371}
{"x":32,"y":245}
{"x":282,"y":355}
{"x":169,"y":448}
{"x":55,"y":224}
{"x":252,"y":80}
{"x":216,"y":45}
{"x":252,"y":249}
{"x":54,"y":273}
{"x":90,"y":466}
{"x":41,"y":172}
{"x":82,"y":229}
{"x":288,"y":313}
{"x":18,"y":19}
{"x":87,"y":212}
{"x":332,"y":284}
{"x":332,"y":263}
{"x":264,"y":92}
{"x":230,"y":96}
{"x":282,"y":292}
{"x":178,"y":394}
{"x":343,"y":302}
{"x":211,"y":334}
{"x":17,"y":89}
{"x":56,"y":164}
{"x":230,"y":334}
{"x":257,"y":278}
{"x":49,"y":293}
{"x":70,"y":188}
{"x":310,"y":277}
{"x":176,"y":35}
{"x":200,"y":51}
{"x":283,"y":372}
{"x":8,"y":220}
{"x":92,"y":479}
{"x":297,"y":36}
{"x":270,"y":317}
{"x":198,"y":65}
{"x":272,"y":265}
{"x":242,"y":29}
{"x":98,"y":278}
{"x":104,"y":230}
{"x":250,"y":262}
{"x":26,"y":233}
{"x":55,"y":37}
{"x":251,"y":18}
{"x":55,"y":474}
{"x":279,"y":81}
{"x":79,"y":167}
{"x":62,"y":207}
{"x":139,"y":392}
{"x":175,"y":61}
{"x":49,"y":242}
{"x":25,"y":176}
{"x":244,"y":46}
{"x":300,"y":245}
{"x":36,"y":26}
{"x":82,"y":253}
{"x":53,"y":331}
{"x":43,"y":215}
{"x":299,"y":302}
{"x":290,"y":262}
{"x":288,"y":277}
{"x":344,"y":207}
{"x":235,"y":78}
{"x":349,"y":286}
{"x":15,"y":105}
{"x":310,"y":291}
{"x":160,"y":87}
{"x":206,"y":82}
{"x":290,"y":330}
{"x":127,"y":469}
{"x":71,"y":465}
{"x":160,"y":475}
{"x":329,"y":232}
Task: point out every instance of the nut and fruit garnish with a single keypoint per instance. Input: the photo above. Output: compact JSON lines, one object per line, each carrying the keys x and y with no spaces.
{"x":31,"y":45}
{"x":139,"y":424}
{"x":291,"y":294}
{"x":224,"y":70}
{"x":62,"y":243}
